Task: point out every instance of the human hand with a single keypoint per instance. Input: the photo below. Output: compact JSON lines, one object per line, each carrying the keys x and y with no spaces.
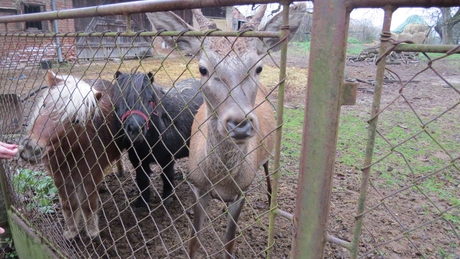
{"x":8,"y":151}
{"x":2,"y":231}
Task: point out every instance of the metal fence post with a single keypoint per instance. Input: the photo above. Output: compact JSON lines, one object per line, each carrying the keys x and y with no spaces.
{"x":372,"y":130}
{"x":319,"y":140}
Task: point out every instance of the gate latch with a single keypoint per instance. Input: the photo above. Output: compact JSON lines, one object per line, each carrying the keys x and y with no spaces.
{"x":349,"y":93}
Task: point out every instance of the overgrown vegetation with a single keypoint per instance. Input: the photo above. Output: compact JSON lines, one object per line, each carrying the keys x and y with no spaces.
{"x":8,"y":249}
{"x":37,"y":189}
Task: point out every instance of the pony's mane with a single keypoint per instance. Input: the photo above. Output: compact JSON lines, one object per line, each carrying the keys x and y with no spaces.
{"x":70,"y":100}
{"x":135,"y":89}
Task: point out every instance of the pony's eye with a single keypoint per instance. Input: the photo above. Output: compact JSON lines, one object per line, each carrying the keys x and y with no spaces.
{"x":259,"y":70}
{"x":203,"y":71}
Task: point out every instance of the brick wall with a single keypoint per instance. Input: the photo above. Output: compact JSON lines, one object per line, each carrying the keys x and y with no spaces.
{"x":30,"y":51}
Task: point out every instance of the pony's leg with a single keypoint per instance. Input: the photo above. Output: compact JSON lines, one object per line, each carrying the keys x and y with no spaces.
{"x":90,"y":204}
{"x":142,"y":178}
{"x":168,"y":182}
{"x":143,"y":182}
{"x":70,"y":209}
{"x":234,"y":211}
{"x":199,"y":214}
{"x":119,"y":167}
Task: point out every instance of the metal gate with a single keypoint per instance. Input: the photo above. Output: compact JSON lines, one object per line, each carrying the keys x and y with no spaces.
{"x":310,"y":225}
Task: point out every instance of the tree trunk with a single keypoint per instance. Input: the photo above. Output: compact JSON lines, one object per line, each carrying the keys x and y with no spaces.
{"x":445,"y":24}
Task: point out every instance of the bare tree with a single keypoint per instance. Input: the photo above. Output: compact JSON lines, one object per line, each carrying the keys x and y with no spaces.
{"x":448,"y":18}
{"x":363,"y":30}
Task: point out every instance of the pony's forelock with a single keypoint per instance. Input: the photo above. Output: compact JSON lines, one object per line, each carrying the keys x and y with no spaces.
{"x":72,"y":100}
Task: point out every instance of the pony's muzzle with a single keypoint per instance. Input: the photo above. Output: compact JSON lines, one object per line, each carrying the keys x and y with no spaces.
{"x":30,"y":152}
{"x":133,"y":131}
{"x":134,"y":123}
{"x":135,"y":127}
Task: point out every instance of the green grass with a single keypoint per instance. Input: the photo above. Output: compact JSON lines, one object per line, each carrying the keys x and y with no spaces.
{"x":304,"y":45}
{"x":453,"y":57}
{"x":292,"y":136}
{"x":422,"y":154}
{"x":354,"y":46}
{"x":355,"y":49}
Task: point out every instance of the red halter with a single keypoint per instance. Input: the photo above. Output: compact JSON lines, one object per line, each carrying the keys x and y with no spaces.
{"x":146,"y":118}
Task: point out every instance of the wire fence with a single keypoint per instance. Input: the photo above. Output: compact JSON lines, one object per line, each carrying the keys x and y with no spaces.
{"x":125,"y":231}
{"x":412,"y":202}
{"x":119,"y":97}
{"x":71,"y":140}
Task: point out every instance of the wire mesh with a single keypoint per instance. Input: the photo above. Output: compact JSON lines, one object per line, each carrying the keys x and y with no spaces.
{"x":76,"y":133}
{"x":412,"y":207}
{"x":416,"y":172}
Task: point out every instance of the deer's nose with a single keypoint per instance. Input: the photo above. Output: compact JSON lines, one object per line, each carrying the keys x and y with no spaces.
{"x":239,"y":129}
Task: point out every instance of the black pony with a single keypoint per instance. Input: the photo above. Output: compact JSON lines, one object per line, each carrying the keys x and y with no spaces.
{"x":154,"y":125}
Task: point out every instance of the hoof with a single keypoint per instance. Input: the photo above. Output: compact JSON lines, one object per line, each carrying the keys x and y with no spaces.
{"x":70,"y":234}
{"x":93,"y":232}
{"x":96,"y":240}
{"x":120,"y":173}
{"x":168,"y":200}
{"x":140,"y":203}
{"x":139,"y":211}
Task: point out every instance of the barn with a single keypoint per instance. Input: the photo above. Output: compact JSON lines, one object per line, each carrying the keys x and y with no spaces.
{"x":59,"y":49}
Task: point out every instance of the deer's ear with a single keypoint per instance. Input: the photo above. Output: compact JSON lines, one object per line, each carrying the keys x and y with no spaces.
{"x":296,"y":14}
{"x":169,"y":21}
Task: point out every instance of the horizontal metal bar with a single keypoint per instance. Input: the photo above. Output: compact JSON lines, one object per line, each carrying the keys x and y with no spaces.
{"x":128,"y":8}
{"x":338,"y":241}
{"x":427,"y":48}
{"x":284,"y":214}
{"x":401,"y":3}
{"x":262,"y":34}
{"x":166,"y":5}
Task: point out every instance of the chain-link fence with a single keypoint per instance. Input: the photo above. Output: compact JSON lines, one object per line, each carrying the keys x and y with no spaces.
{"x":412,"y":202}
{"x":103,"y":170}
{"x":118,"y":160}
{"x":407,"y":190}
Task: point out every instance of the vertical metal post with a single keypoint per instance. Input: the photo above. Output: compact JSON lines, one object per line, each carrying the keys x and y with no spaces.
{"x":128,"y":23}
{"x":372,"y":130}
{"x":56,"y":30}
{"x":279,"y":114}
{"x":319,"y":140}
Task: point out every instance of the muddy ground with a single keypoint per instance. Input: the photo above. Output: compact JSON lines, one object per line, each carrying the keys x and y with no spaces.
{"x":160,"y":232}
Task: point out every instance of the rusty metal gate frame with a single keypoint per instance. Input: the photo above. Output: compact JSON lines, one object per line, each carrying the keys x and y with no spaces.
{"x":325,"y":89}
{"x":324,"y":97}
{"x":31,"y":244}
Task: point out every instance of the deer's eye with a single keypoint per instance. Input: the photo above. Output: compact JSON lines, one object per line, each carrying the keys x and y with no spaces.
{"x":203,"y":71}
{"x":259,"y":70}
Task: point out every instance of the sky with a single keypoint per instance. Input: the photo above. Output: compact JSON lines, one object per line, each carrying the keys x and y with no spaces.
{"x":376,"y":14}
{"x":399,"y":16}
